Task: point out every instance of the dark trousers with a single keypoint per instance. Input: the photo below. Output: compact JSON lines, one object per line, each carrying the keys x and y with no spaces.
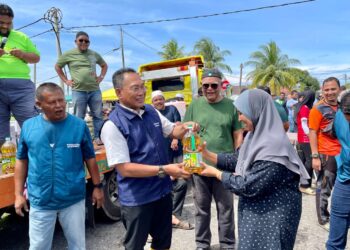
{"x":340,"y":216}
{"x":304,"y":152}
{"x":152,"y":218}
{"x":179,"y":195}
{"x":324,"y":185}
{"x":204,"y":188}
{"x":17,"y":96}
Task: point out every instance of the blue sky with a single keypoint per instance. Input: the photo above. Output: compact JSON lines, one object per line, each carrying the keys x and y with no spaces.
{"x":316,"y":33}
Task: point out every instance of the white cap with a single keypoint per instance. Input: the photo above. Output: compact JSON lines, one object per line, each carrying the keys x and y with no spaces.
{"x":179,"y":95}
{"x":157,"y":93}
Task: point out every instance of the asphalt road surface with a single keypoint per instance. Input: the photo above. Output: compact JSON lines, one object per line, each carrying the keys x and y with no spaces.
{"x":107,"y":235}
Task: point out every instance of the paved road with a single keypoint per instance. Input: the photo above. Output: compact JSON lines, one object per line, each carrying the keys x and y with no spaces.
{"x":106,"y":235}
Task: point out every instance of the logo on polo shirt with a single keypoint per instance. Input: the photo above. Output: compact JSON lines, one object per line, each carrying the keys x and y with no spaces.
{"x":73,"y":145}
{"x":156,"y":124}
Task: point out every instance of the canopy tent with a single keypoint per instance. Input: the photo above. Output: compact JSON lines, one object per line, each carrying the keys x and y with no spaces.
{"x":109,"y":95}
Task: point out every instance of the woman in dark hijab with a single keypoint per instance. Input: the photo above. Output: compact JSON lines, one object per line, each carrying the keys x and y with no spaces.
{"x":301,"y":116}
{"x":266,"y":176}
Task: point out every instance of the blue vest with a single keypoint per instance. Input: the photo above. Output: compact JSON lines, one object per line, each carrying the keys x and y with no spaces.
{"x":56,"y":173}
{"x":144,"y":137}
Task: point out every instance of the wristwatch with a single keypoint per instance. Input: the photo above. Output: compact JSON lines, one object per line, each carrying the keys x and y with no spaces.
{"x":161,"y":172}
{"x":100,"y":185}
{"x":315,"y":155}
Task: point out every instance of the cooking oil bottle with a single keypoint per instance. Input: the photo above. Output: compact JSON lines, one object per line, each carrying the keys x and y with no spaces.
{"x":8,"y":151}
{"x":192,"y":153}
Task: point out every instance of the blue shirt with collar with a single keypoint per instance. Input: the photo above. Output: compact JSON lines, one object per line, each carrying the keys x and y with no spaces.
{"x":55,"y":152}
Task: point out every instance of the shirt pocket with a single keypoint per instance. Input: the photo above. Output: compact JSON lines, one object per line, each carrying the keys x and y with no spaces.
{"x":39,"y":189}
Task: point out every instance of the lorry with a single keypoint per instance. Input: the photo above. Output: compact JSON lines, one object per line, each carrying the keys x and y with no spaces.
{"x":181,"y":75}
{"x":110,"y":209}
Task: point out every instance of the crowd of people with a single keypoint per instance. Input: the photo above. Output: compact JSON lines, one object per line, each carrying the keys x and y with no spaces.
{"x":143,"y":144}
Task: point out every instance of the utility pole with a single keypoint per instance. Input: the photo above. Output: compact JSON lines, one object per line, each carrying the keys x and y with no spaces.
{"x":240,"y":77}
{"x":54,"y":16}
{"x":345,"y":78}
{"x":122,"y":46}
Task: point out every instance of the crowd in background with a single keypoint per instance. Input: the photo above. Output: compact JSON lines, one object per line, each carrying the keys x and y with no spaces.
{"x":143,"y":144}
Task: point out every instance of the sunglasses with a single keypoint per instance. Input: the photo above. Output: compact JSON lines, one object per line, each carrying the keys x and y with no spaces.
{"x":83,"y":40}
{"x":212,"y":85}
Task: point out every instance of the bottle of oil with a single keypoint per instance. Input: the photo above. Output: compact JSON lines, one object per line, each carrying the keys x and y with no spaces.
{"x":8,"y":151}
{"x":192,"y":154}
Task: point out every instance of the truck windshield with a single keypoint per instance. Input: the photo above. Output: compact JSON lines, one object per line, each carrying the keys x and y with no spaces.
{"x":170,"y":84}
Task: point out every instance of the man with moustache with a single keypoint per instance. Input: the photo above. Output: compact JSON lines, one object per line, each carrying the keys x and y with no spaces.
{"x":324,"y":146}
{"x":16,"y":89}
{"x":52,"y":150}
{"x":220,"y":128}
{"x":85,"y":81}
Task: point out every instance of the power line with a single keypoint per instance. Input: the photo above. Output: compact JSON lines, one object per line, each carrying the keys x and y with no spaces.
{"x":110,"y":51}
{"x":29,"y":24}
{"x":140,"y":41}
{"x":42,"y":33}
{"x":48,"y":79}
{"x":191,"y":17}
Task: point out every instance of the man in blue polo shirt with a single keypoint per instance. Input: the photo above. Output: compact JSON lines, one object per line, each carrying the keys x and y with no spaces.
{"x":134,"y":143}
{"x":51,"y":154}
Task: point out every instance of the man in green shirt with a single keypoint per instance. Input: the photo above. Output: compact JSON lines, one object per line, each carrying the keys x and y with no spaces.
{"x":82,"y":62}
{"x":17,"y":91}
{"x":220,"y":128}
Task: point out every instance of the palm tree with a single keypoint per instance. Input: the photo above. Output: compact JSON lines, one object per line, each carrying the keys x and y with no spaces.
{"x":213,"y":56}
{"x":171,"y":50}
{"x":271,"y":68}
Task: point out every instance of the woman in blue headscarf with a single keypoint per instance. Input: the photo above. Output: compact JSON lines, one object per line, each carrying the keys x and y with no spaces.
{"x":266,"y":176}
{"x":340,"y":206}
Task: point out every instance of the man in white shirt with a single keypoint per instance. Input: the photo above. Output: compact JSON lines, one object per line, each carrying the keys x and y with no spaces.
{"x":133,"y":138}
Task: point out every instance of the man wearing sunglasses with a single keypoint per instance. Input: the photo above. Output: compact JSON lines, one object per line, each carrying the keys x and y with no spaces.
{"x":220,"y":128}
{"x":16,"y":89}
{"x":85,"y":81}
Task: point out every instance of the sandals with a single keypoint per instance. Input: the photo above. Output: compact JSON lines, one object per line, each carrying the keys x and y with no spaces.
{"x":308,"y":191}
{"x":185,"y":225}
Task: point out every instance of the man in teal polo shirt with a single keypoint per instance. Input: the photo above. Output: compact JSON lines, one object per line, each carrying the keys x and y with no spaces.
{"x":85,"y":82}
{"x":16,"y":89}
{"x":50,"y":160}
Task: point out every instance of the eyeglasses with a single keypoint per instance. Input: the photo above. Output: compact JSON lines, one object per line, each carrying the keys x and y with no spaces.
{"x":212,"y":85}
{"x":136,"y":89}
{"x":83,"y":40}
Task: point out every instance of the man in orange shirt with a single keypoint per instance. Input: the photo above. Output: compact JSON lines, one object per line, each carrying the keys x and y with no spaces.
{"x":324,"y":147}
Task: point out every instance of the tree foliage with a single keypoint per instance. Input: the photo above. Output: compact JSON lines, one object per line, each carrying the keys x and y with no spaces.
{"x":306,"y":81}
{"x":213,"y":56}
{"x":172,"y":50}
{"x":271,"y":68}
